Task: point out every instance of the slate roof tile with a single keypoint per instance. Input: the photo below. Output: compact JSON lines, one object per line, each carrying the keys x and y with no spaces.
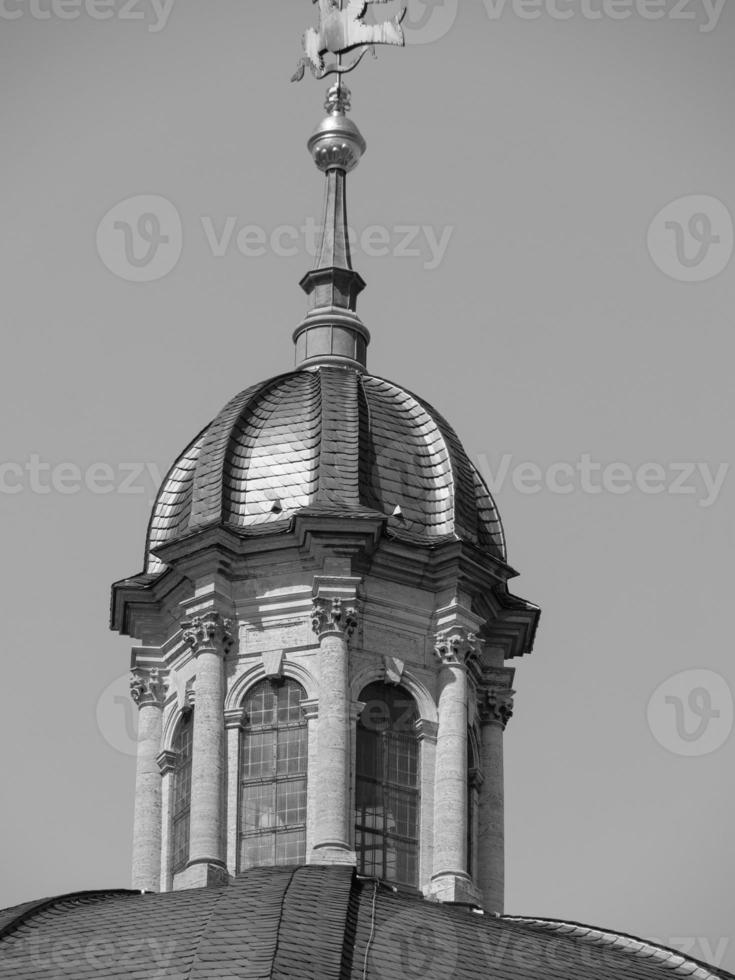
{"x":310,"y":923}
{"x":327,"y":436}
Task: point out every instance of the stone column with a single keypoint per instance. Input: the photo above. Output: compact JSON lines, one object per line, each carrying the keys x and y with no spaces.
{"x":334,"y":621}
{"x":210,"y":638}
{"x":496,"y":709}
{"x":147,"y":690}
{"x":450,"y":881}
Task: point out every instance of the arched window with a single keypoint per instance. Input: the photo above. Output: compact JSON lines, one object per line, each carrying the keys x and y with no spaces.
{"x":181,"y":802}
{"x":273,"y":768}
{"x":387,"y":786}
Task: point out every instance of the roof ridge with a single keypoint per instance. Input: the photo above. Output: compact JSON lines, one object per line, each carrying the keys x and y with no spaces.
{"x":672,"y":959}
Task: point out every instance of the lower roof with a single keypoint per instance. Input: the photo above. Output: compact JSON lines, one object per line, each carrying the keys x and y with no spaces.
{"x":311,"y":923}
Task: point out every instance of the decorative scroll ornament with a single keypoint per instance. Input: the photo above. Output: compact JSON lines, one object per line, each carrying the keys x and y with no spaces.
{"x":147,"y":686}
{"x":332,"y":616}
{"x":497,"y":706}
{"x":210,"y":631}
{"x":342,"y":29}
{"x":454,"y":647}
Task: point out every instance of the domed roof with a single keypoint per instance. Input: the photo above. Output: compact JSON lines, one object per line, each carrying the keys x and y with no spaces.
{"x":310,"y":923}
{"x":327,"y":440}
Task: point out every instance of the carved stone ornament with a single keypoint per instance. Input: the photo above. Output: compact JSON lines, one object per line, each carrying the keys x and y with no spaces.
{"x":496,"y":706}
{"x":208,"y":632}
{"x":455,"y":646}
{"x":147,"y":686}
{"x":333,"y":616}
{"x":393,"y":670}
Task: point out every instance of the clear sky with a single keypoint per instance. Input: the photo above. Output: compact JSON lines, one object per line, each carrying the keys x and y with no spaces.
{"x":546,"y":303}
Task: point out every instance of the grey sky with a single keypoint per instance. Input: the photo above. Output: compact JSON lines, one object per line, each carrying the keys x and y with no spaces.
{"x":537,"y":152}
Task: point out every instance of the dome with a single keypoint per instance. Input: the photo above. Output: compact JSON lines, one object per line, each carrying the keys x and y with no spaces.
{"x":311,"y":923}
{"x":327,"y":440}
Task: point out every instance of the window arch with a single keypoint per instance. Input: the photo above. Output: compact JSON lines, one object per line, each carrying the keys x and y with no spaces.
{"x":273,"y":774}
{"x":181,"y":803}
{"x":387,"y":785}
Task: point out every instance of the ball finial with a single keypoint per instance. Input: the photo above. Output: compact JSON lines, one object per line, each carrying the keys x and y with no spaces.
{"x":337,"y":142}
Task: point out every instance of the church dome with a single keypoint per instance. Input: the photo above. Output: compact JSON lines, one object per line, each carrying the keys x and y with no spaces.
{"x":311,"y":923}
{"x":327,"y":440}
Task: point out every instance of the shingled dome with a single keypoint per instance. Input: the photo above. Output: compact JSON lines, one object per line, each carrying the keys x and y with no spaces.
{"x":314,"y":923}
{"x":327,"y":440}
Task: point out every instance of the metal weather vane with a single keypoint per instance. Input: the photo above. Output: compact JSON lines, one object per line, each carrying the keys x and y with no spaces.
{"x":342,"y":29}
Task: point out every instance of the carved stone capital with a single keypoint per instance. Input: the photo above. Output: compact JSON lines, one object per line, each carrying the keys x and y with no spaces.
{"x":496,"y":706}
{"x":310,"y":710}
{"x":147,"y":686}
{"x":208,"y":632}
{"x":426,"y":730}
{"x":235,"y":718}
{"x":455,"y":646}
{"x":333,"y":616}
{"x":166,"y":761}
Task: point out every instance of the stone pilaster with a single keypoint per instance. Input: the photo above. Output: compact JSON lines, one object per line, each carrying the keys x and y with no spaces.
{"x":334,"y":620}
{"x":495,"y":711}
{"x":234,"y":719}
{"x":210,"y":638}
{"x":450,"y":881}
{"x":147,"y":689}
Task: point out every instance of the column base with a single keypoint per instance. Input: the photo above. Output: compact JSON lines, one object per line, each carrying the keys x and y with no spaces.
{"x":203,"y":874}
{"x":454,"y":887}
{"x":333,"y":853}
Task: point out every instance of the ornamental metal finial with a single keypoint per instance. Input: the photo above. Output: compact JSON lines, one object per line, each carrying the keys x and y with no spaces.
{"x":342,"y":29}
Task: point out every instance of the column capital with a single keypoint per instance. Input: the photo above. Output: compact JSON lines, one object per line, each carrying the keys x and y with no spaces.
{"x":496,"y":706}
{"x":208,"y":632}
{"x":333,"y":616}
{"x":147,"y":686}
{"x":456,"y":645}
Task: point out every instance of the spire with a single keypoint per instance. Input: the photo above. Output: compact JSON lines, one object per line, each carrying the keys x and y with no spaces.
{"x":332,"y":332}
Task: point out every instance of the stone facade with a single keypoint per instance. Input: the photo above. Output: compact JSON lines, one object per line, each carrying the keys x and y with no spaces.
{"x":314,"y":618}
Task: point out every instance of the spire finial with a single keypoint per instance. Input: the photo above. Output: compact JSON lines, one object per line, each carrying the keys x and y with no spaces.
{"x":332,"y":332}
